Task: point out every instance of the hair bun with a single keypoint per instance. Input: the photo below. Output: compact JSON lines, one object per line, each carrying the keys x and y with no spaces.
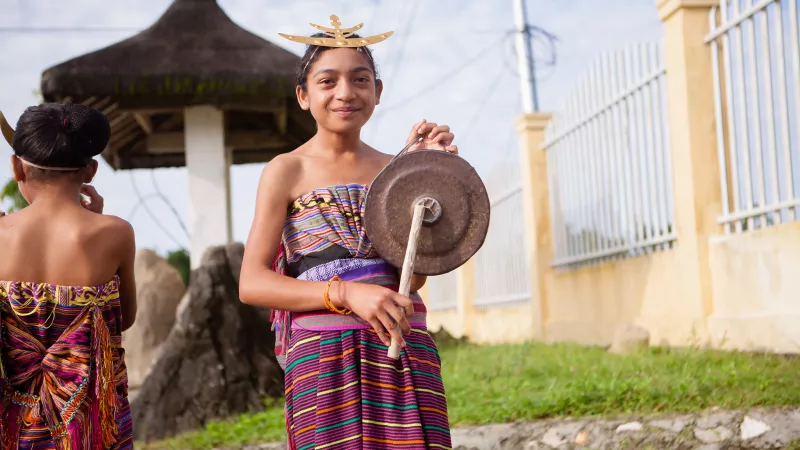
{"x":87,"y":128}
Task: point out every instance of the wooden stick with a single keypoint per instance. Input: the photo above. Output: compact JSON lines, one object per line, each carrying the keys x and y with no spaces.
{"x":408,"y":266}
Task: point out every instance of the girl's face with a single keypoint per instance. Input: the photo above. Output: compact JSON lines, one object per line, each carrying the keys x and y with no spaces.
{"x":341,"y":90}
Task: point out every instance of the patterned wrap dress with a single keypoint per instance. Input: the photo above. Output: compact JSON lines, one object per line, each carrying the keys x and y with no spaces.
{"x":63,"y":379}
{"x":342,"y":390}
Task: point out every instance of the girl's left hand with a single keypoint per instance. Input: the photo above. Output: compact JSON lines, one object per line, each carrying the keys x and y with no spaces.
{"x":435,"y":137}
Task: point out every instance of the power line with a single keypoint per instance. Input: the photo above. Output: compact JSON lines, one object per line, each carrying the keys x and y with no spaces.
{"x":447,"y":76}
{"x":407,"y":29}
{"x":374,"y":12}
{"x":150,"y":212}
{"x":548,"y":39}
{"x":406,"y":32}
{"x":481,"y":105}
{"x":139,"y":205}
{"x":79,"y":30}
{"x":47,"y":30}
{"x":168,"y":203}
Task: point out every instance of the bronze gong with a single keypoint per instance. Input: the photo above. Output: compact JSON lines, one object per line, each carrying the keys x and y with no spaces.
{"x":456,"y":210}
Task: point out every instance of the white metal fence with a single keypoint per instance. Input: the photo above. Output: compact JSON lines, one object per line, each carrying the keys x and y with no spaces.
{"x":501,"y":266}
{"x":442,"y":292}
{"x":609,"y":162}
{"x":756,"y":62}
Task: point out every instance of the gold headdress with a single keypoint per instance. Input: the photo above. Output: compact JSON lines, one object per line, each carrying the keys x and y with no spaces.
{"x":8,"y":132}
{"x":338,"y":36}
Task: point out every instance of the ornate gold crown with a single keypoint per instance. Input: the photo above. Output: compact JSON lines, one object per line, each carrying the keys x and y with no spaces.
{"x":338,"y":36}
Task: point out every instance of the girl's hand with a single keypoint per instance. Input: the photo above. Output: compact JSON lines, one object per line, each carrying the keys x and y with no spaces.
{"x":94,"y":202}
{"x":377,"y":305}
{"x":435,"y":136}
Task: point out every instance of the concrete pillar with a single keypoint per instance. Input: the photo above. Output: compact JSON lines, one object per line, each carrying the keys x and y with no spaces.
{"x":536,"y":213}
{"x":696,"y":177}
{"x":208,"y":163}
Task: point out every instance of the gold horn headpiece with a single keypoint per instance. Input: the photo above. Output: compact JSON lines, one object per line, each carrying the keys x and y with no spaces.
{"x":338,"y":36}
{"x":8,"y":132}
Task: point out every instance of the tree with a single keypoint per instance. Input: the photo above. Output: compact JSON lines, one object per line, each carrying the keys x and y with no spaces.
{"x":11,"y":194}
{"x":179,"y":259}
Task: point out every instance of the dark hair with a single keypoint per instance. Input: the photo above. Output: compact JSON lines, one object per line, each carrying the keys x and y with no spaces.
{"x":313,"y":53}
{"x":56,"y":135}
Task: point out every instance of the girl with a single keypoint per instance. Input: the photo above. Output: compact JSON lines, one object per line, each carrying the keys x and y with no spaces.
{"x":334,"y":301}
{"x":70,"y":291}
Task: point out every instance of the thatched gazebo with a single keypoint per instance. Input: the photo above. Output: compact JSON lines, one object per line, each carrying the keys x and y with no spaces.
{"x":194,"y":90}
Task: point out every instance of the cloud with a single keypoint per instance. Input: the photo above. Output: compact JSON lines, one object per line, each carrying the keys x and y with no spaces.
{"x":480,"y":101}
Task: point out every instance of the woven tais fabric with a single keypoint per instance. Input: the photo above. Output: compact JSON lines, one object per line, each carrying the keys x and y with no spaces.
{"x":63,"y":379}
{"x":342,"y":390}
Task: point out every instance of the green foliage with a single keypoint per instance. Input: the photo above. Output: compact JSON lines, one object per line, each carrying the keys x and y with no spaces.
{"x":179,"y":259}
{"x":11,"y":194}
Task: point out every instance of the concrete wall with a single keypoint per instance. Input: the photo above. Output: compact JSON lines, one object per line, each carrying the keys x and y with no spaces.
{"x":729,"y":291}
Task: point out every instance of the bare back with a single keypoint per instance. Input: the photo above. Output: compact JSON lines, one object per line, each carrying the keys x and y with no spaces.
{"x":69,"y":246}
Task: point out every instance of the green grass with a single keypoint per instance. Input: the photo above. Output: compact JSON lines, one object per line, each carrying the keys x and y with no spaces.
{"x":265,"y":426}
{"x":532,"y":381}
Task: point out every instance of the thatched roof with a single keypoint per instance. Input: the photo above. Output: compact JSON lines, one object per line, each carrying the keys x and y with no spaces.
{"x":193,"y":55}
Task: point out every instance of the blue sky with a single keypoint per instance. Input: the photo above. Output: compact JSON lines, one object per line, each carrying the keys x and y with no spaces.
{"x":432,"y":38}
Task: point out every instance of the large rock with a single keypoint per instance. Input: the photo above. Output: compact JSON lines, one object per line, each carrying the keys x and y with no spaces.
{"x":159,"y":289}
{"x":218,"y":360}
{"x":629,"y":338}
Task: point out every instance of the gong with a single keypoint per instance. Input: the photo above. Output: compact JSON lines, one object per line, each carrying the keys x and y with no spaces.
{"x":456,"y":210}
{"x":428,"y":212}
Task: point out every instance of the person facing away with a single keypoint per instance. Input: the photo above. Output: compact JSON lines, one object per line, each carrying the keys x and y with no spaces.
{"x":335,"y":302}
{"x":68,"y":291}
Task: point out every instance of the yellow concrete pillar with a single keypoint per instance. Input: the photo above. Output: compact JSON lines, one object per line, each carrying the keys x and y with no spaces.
{"x":690,"y":97}
{"x":424,"y":292}
{"x":536,"y":213}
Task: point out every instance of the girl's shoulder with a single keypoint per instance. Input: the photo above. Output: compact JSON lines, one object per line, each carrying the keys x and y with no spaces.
{"x":107,"y":231}
{"x":112,"y":225}
{"x":280,"y":175}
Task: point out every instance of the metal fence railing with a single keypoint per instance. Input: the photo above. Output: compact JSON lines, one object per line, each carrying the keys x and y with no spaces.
{"x":442,"y":292}
{"x":755,"y":49}
{"x":501,"y":267}
{"x":609,"y":162}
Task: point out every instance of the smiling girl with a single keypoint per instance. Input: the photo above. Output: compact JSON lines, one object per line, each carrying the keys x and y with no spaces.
{"x":335,"y":302}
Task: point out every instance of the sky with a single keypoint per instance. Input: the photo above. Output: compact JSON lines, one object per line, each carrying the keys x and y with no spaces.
{"x":450,"y":62}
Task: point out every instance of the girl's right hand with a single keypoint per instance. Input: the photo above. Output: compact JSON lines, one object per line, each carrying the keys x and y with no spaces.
{"x":94,"y":202}
{"x":377,"y":305}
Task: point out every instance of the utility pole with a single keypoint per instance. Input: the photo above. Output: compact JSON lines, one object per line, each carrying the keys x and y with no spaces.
{"x":527,"y":74}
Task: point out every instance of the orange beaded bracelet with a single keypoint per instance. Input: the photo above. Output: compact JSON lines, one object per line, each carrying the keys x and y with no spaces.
{"x":327,"y":298}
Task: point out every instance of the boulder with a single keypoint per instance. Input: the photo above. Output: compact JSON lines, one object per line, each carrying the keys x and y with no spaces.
{"x":159,"y":289}
{"x":218,"y":361}
{"x":629,"y":338}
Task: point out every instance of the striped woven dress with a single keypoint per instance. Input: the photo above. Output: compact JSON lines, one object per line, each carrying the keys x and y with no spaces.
{"x":63,"y":380}
{"x":342,"y":390}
